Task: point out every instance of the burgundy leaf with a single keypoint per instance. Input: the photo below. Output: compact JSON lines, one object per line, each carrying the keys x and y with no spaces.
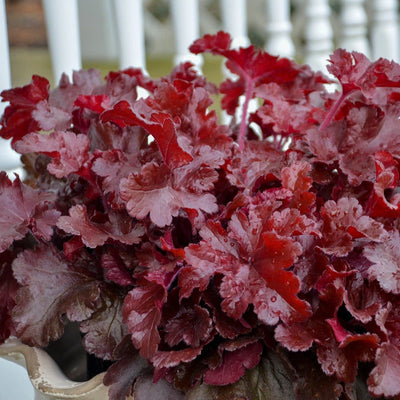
{"x":121,"y":376}
{"x":168,"y":359}
{"x":192,"y":326}
{"x":104,"y":330}
{"x":116,"y":269}
{"x":24,"y":208}
{"x":142,"y":315}
{"x":50,"y":288}
{"x":294,"y":339}
{"x":8,"y":292}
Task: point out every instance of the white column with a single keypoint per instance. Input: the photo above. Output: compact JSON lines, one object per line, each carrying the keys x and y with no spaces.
{"x":5,"y":74}
{"x":353,"y":23}
{"x":129,"y":23}
{"x":385,"y":29}
{"x":185,"y":20}
{"x":9,"y":159}
{"x":63,"y":35}
{"x":279,"y":28}
{"x":234,"y":21}
{"x":318,"y":33}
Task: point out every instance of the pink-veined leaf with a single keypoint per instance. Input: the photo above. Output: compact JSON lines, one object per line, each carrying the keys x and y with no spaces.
{"x":151,"y":192}
{"x":69,"y":151}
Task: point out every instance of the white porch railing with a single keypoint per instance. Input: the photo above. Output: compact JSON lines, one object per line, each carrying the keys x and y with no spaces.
{"x":307,"y":30}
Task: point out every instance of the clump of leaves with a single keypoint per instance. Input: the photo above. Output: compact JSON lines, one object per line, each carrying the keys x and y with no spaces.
{"x":245,"y":261}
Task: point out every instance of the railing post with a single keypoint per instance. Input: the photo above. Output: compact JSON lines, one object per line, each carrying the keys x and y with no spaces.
{"x":62,"y":25}
{"x":318,"y":33}
{"x":5,"y":74}
{"x":353,"y":23}
{"x":9,"y":159}
{"x":279,"y":28}
{"x":185,"y":20}
{"x":385,"y":29}
{"x":130,"y":29}
{"x":234,"y":21}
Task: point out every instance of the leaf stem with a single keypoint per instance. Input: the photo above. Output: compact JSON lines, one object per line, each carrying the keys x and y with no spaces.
{"x":332,"y":112}
{"x":243,"y":122}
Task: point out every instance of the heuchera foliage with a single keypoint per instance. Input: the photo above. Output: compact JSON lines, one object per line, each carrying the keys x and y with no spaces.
{"x":196,"y":252}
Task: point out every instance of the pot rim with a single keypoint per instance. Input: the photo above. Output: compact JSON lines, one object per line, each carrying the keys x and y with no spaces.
{"x":45,"y":374}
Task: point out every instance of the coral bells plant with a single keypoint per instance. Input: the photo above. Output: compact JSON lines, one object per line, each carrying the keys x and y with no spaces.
{"x":257,"y":259}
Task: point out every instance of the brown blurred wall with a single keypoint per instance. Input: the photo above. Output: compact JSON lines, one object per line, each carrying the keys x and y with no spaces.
{"x":25,"y":21}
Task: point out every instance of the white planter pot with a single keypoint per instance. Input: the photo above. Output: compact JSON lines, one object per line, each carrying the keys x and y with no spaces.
{"x":48,"y":380}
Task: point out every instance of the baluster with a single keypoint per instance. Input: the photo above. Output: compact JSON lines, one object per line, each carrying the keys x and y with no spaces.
{"x":185,"y":19}
{"x":353,"y":23}
{"x":130,"y":29}
{"x":5,"y":74}
{"x":63,"y":36}
{"x":234,"y":21}
{"x":385,"y":29}
{"x":9,"y":158}
{"x":318,"y":33}
{"x":279,"y":28}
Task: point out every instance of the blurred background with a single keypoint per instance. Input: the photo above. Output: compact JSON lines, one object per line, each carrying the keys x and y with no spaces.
{"x":28,"y":42}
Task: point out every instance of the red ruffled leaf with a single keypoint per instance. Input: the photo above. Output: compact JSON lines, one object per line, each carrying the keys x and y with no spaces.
{"x":387,"y":178}
{"x":345,"y":221}
{"x":160,"y":125}
{"x":279,"y":254}
{"x":356,"y":72}
{"x":253,"y":67}
{"x":234,"y":365}
{"x":96,"y":103}
{"x":18,"y":120}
